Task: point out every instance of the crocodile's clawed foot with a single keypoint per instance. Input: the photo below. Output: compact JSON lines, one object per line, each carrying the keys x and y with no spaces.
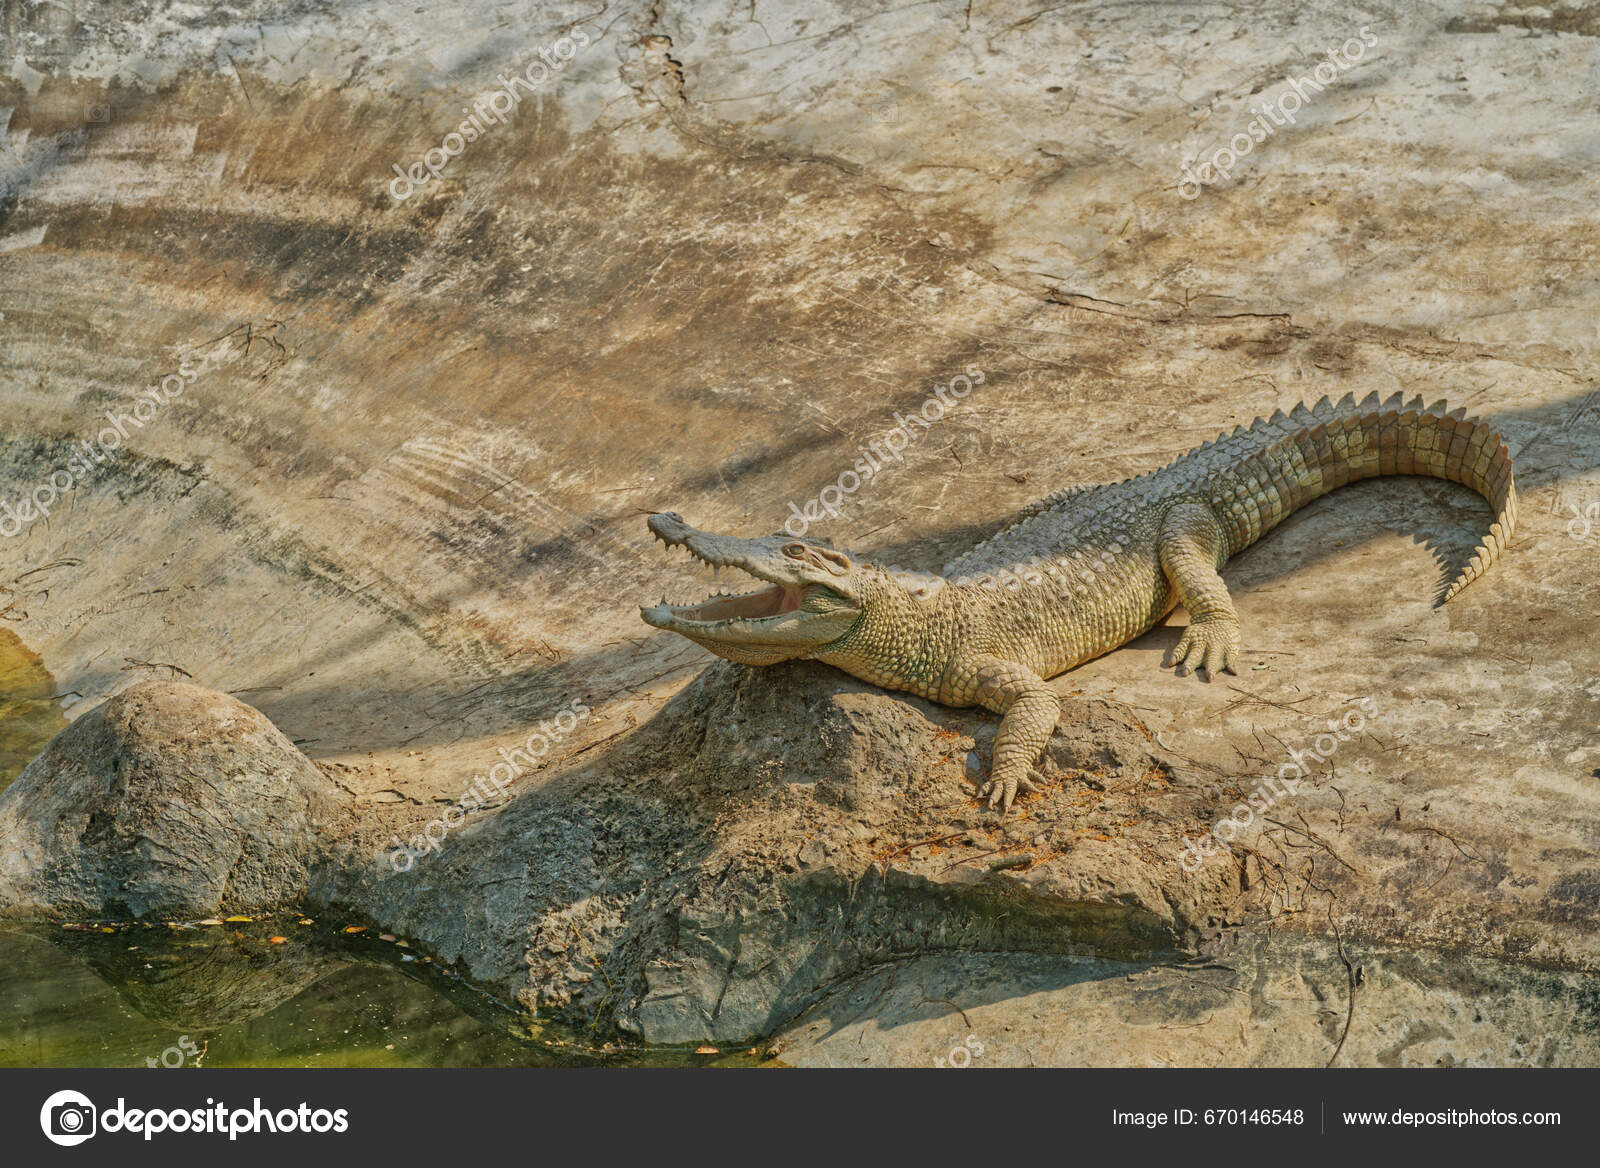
{"x":1002,"y":792}
{"x":1211,"y":645}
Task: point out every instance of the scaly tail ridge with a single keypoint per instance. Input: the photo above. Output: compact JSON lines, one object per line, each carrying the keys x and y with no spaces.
{"x":1281,"y":463}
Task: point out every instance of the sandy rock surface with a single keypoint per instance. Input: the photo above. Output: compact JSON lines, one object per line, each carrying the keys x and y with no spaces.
{"x":1264,"y":1002}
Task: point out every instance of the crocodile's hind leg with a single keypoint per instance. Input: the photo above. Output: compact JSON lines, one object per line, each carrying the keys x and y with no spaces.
{"x":1193,"y":547}
{"x":1029,"y":709}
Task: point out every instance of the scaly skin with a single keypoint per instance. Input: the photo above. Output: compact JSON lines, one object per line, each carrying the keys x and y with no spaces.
{"x":1079,"y":573}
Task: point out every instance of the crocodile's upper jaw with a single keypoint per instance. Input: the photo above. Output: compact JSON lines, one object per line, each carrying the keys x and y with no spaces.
{"x":809,"y":603}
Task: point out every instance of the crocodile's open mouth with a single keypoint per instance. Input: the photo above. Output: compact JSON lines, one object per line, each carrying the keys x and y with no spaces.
{"x":803,"y":604}
{"x":770,"y":603}
{"x":764,"y":604}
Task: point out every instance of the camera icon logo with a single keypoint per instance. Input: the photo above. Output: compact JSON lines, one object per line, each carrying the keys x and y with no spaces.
{"x":68,"y":1118}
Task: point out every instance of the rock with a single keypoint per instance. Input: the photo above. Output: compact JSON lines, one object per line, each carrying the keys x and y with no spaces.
{"x":772,"y":831}
{"x":167,"y":800}
{"x":1275,"y":1000}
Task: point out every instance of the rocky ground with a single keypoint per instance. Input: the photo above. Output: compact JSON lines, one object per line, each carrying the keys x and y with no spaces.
{"x":397,"y":505}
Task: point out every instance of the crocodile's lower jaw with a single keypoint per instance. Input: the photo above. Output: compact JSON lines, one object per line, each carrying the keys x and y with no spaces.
{"x":723,"y":610}
{"x":755,"y":628}
{"x":743,"y":654}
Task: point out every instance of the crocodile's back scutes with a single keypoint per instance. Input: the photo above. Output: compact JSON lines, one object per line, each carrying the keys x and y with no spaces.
{"x":1255,"y":478}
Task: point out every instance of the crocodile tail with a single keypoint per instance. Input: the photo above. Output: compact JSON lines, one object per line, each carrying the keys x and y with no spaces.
{"x":1316,"y":449}
{"x":1485,"y":466}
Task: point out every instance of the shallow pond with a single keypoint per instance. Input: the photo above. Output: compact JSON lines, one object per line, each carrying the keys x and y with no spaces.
{"x":270,"y":992}
{"x":30,"y":711}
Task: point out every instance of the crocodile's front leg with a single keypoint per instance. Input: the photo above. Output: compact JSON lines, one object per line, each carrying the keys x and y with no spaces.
{"x":1029,"y":710}
{"x":1193,"y":546}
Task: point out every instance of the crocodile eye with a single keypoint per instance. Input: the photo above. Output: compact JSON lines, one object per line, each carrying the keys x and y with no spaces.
{"x":794,"y":551}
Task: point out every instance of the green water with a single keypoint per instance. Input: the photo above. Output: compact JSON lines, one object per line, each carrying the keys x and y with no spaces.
{"x":227,"y":996}
{"x":30,"y":712}
{"x":120,"y":995}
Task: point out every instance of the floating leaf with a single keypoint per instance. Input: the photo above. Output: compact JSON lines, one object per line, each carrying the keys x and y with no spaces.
{"x":305,"y":921}
{"x":706,"y":1050}
{"x":238,"y":920}
{"x":211,"y":921}
{"x":386,"y":936}
{"x":277,"y":940}
{"x":355,"y":928}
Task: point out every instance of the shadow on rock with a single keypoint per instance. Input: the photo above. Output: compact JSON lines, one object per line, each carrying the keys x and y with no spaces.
{"x":772,"y":831}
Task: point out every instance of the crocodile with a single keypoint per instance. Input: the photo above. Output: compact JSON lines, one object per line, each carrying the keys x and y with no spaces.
{"x":1079,"y":573}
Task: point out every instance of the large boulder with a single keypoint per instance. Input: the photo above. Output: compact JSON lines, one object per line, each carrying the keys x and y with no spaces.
{"x":774,"y":831}
{"x":167,"y":800}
